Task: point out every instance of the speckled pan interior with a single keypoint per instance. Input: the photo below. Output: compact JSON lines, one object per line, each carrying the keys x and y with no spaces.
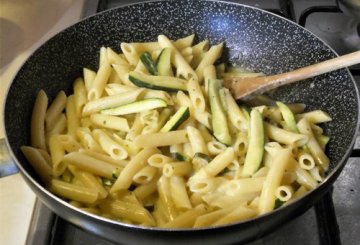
{"x":253,"y":39}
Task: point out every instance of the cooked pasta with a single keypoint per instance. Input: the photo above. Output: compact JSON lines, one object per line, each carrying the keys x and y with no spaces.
{"x":153,"y":138}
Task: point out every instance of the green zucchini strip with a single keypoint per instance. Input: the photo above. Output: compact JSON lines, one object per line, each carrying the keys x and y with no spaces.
{"x":255,"y":151}
{"x":166,"y":83}
{"x":206,"y":157}
{"x":137,"y":106}
{"x":234,"y":112}
{"x":219,"y":121}
{"x":180,"y":156}
{"x":177,"y":119}
{"x":288,"y":116}
{"x":163,"y":63}
{"x":148,"y":63}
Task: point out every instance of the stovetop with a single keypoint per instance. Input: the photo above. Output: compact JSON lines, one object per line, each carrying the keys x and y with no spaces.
{"x":335,"y":219}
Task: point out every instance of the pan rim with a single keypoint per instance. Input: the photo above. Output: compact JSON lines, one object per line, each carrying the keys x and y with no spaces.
{"x":335,"y":171}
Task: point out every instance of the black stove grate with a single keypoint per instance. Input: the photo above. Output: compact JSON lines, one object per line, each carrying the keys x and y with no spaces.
{"x":316,"y":9}
{"x":318,"y":225}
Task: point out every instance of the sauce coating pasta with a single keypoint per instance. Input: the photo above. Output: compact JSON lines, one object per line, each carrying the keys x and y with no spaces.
{"x":154,"y":139}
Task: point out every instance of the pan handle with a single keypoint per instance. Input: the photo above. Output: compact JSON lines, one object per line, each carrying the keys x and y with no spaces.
{"x":7,"y":165}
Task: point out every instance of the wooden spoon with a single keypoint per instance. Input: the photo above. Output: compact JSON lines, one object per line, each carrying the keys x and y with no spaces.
{"x":245,"y":87}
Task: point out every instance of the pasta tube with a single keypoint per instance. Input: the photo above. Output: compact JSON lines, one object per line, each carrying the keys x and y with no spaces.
{"x":161,"y":139}
{"x":38,"y":121}
{"x":37,"y":161}
{"x":273,"y":180}
{"x":73,"y":192}
{"x":136,"y":163}
{"x":313,"y":145}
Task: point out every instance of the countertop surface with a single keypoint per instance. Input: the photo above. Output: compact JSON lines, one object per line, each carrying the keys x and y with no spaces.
{"x":24,"y":26}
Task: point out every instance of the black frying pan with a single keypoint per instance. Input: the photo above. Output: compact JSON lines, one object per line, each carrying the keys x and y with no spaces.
{"x":253,"y":38}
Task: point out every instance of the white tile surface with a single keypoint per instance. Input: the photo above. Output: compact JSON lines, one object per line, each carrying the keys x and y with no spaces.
{"x":16,"y":198}
{"x":16,"y":205}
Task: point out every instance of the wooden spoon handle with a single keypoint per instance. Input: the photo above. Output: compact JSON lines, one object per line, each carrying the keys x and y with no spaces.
{"x":244,"y":87}
{"x":316,"y":69}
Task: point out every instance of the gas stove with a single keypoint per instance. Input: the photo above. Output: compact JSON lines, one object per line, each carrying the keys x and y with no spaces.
{"x":335,"y":219}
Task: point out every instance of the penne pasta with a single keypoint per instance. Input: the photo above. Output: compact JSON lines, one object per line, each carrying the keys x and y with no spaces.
{"x":145,"y":175}
{"x":179,"y":193}
{"x":59,"y":127}
{"x":120,"y":209}
{"x":159,"y":160}
{"x":284,"y":136}
{"x":187,"y":218}
{"x":111,"y":101}
{"x":153,"y":138}
{"x":114,"y":58}
{"x":73,"y":192}
{"x":305,"y":179}
{"x":145,"y":190}
{"x":38,"y":162}
{"x":161,"y":139}
{"x":196,"y":140}
{"x":315,"y":117}
{"x":72,"y":119}
{"x":196,"y":96}
{"x":106,"y":158}
{"x":100,"y":81}
{"x":110,"y":122}
{"x":177,"y":169}
{"x":90,"y":181}
{"x":306,"y":161}
{"x":182,"y":66}
{"x":109,"y":145}
{"x":80,"y":95}
{"x":38,"y":121}
{"x":284,"y":193}
{"x":235,"y":115}
{"x":198,"y":52}
{"x":313,"y":146}
{"x":122,"y":71}
{"x":238,"y":214}
{"x":90,"y":164}
{"x":273,"y":180}
{"x":209,"y":73}
{"x":215,"y":147}
{"x":89,"y":77}
{"x":210,"y":218}
{"x":138,"y":162}
{"x":184,"y":42}
{"x":165,"y":198}
{"x":209,"y":58}
{"x":317,"y":173}
{"x":55,"y":110}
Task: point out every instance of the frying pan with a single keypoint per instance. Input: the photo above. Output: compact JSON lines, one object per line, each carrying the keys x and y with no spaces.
{"x":253,"y":38}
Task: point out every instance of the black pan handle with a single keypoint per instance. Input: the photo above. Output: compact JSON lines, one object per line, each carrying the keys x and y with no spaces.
{"x":329,"y":231}
{"x":7,"y":165}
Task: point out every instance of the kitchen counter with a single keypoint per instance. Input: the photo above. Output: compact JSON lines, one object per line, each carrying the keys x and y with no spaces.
{"x":24,"y":26}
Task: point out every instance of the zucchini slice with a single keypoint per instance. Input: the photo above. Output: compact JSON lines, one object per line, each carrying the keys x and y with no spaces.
{"x":177,"y":119}
{"x":203,"y":156}
{"x":255,"y":151}
{"x":167,"y":83}
{"x":134,"y":107}
{"x":148,"y":63}
{"x":180,"y":157}
{"x":219,"y":121}
{"x":288,"y":116}
{"x":163,"y":63}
